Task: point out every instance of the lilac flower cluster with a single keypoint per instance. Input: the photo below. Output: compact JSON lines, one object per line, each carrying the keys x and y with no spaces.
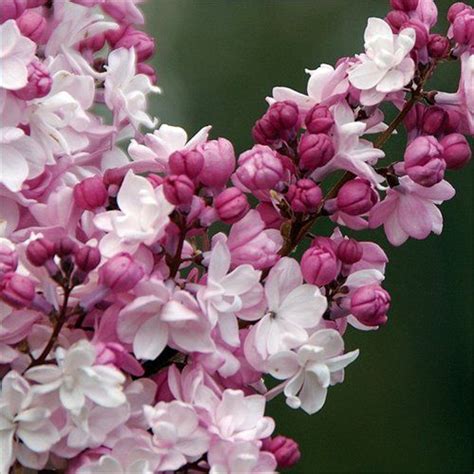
{"x":134,"y":336}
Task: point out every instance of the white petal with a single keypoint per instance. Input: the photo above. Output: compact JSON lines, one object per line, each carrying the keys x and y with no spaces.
{"x":151,"y":339}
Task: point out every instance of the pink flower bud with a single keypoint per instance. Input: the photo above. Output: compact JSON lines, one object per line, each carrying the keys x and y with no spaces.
{"x":35,"y":3}
{"x":65,"y":247}
{"x":32,"y":25}
{"x":187,"y":162}
{"x":264,"y":133}
{"x":120,"y":273}
{"x":178,"y":189}
{"x":11,"y":9}
{"x":457,"y":152}
{"x":424,"y":161}
{"x":435,"y":120}
{"x":455,"y":9}
{"x":280,"y":122}
{"x":231,"y":205}
{"x":422,"y":34}
{"x":369,"y":304}
{"x":304,"y":196}
{"x":319,"y":120}
{"x":414,"y":118}
{"x":315,"y":150}
{"x":356,"y":197}
{"x":219,"y":162}
{"x":90,"y":193}
{"x":453,"y":122}
{"x":148,"y":70}
{"x":87,"y":258}
{"x":285,"y":450}
{"x":17,"y":290}
{"x":8,"y":259}
{"x":396,"y":19}
{"x":39,"y":82}
{"x":40,"y":251}
{"x":349,"y":251}
{"x":463,"y":28}
{"x":319,"y":265}
{"x":143,"y":44}
{"x":155,"y":179}
{"x":438,"y":46}
{"x":270,"y":216}
{"x":260,"y":169}
{"x":405,"y":5}
{"x":93,"y":43}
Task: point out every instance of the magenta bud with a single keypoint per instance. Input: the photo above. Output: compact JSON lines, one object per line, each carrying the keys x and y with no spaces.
{"x":178,"y":189}
{"x":120,"y":273}
{"x":260,"y":169}
{"x":32,"y":25}
{"x":424,"y":162}
{"x":219,"y":162}
{"x":264,"y":133}
{"x":315,"y":150}
{"x":285,"y":450}
{"x":405,"y":5}
{"x":65,"y":247}
{"x":8,"y":260}
{"x":148,"y":70}
{"x":356,"y":197}
{"x":435,"y":120}
{"x":396,"y":19}
{"x":284,"y":115}
{"x":349,"y":251}
{"x":90,"y":193}
{"x":422,"y":34}
{"x":11,"y":9}
{"x":463,"y":28}
{"x":17,"y":290}
{"x":35,"y":3}
{"x":304,"y":196}
{"x":187,"y":162}
{"x":155,"y":179}
{"x":143,"y":44}
{"x":231,"y":205}
{"x":319,"y":265}
{"x":93,"y":43}
{"x":438,"y":46}
{"x":39,"y":82}
{"x":369,"y":304}
{"x":414,"y":118}
{"x":455,"y":9}
{"x":457,"y":152}
{"x":40,"y":251}
{"x":87,"y":258}
{"x":319,"y":120}
{"x":454,"y":121}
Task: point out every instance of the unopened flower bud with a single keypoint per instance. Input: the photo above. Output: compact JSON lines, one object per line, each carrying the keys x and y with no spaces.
{"x":304,"y":196}
{"x":39,"y":82}
{"x":349,"y":251}
{"x":17,"y":290}
{"x":369,"y":304}
{"x":285,"y":450}
{"x":90,"y":193}
{"x":93,"y":43}
{"x":65,"y":247}
{"x":424,"y":162}
{"x":35,"y":3}
{"x":414,"y":118}
{"x":178,"y":189}
{"x":187,"y":162}
{"x":315,"y":150}
{"x":11,"y":9}
{"x":405,"y":5}
{"x":120,"y":273}
{"x":457,"y":152}
{"x":231,"y":205}
{"x":463,"y":28}
{"x":87,"y":258}
{"x":455,"y":9}
{"x":435,"y":120}
{"x":422,"y":34}
{"x":40,"y":251}
{"x":219,"y":162}
{"x":319,"y":265}
{"x":143,"y":44}
{"x":32,"y":25}
{"x":438,"y":46}
{"x":319,"y":120}
{"x":259,"y":169}
{"x":356,"y":197}
{"x":454,"y":121}
{"x":8,"y":259}
{"x":264,"y":133}
{"x":396,"y":19}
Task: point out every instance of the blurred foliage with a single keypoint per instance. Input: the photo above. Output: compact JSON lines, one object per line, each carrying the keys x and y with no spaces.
{"x":406,"y":404}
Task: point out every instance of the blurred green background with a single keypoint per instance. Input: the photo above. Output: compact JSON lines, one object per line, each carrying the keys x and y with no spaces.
{"x":406,"y":404}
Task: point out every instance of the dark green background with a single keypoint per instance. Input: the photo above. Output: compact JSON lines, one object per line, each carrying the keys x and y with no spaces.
{"x":406,"y":404}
